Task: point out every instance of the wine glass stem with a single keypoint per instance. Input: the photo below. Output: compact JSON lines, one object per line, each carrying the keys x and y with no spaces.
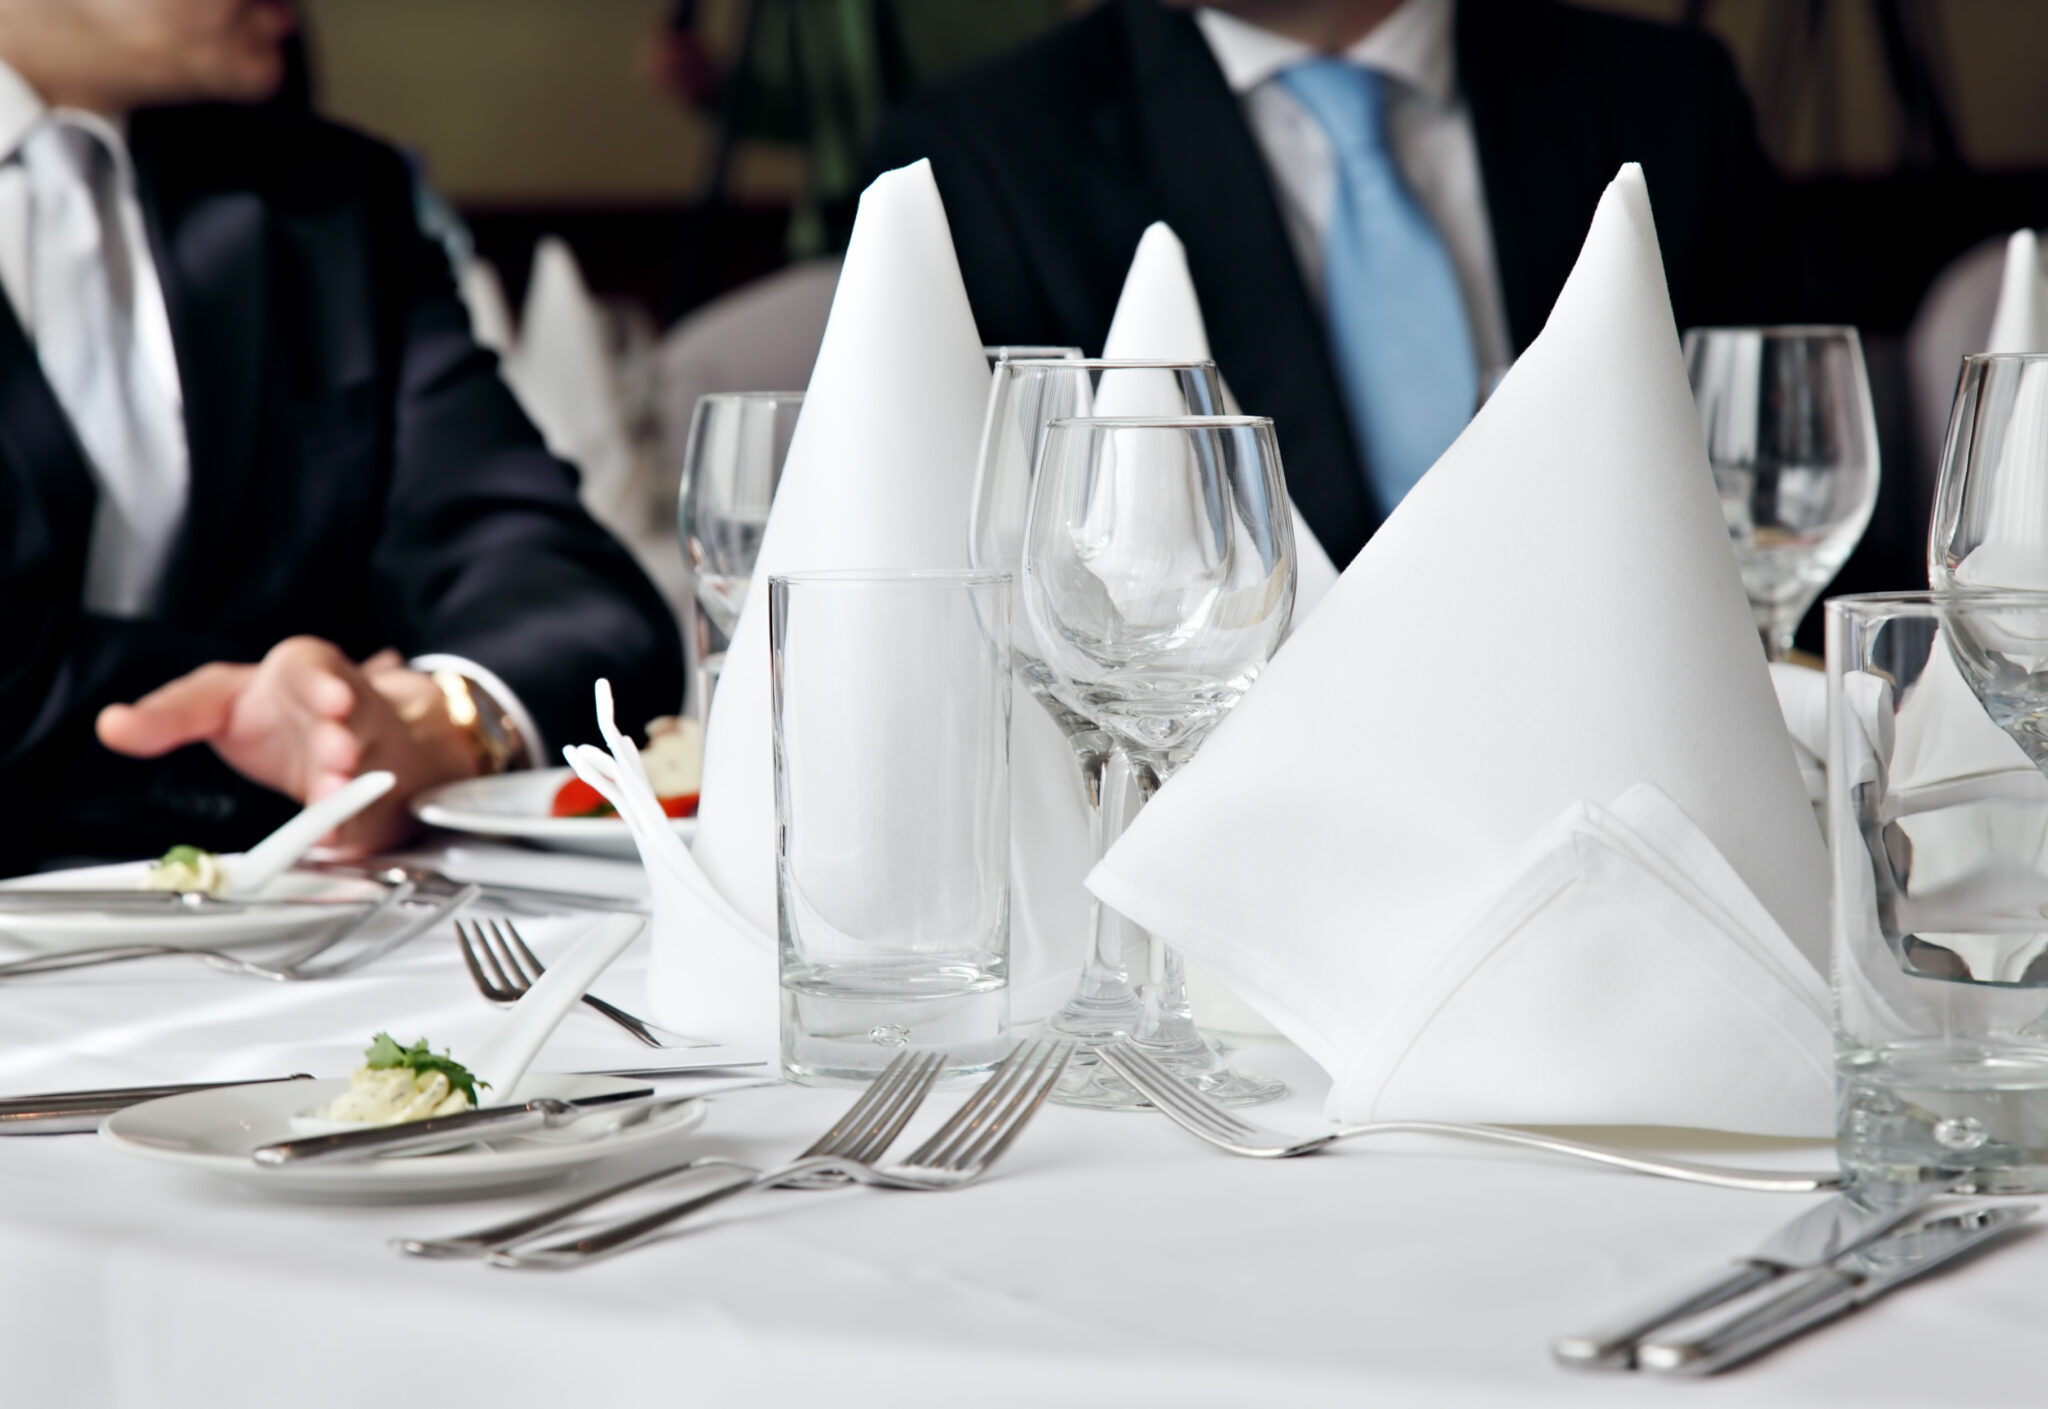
{"x":1777,"y":624}
{"x":1165,"y":1014}
{"x":1103,"y":1004}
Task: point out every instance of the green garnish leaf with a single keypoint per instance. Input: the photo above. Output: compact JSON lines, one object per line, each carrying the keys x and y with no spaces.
{"x":187,"y":856}
{"x":385,"y":1053}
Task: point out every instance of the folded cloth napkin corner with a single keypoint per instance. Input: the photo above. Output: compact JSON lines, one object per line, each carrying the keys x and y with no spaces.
{"x":1536,"y":691}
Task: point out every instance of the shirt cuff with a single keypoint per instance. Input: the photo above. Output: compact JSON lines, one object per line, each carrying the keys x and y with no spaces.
{"x":534,"y":747}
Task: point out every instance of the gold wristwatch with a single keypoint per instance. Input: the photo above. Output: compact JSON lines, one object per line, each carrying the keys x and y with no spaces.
{"x":472,"y":710}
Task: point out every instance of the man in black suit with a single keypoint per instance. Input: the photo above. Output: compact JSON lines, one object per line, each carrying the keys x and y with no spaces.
{"x":255,"y":476}
{"x":1505,"y":120}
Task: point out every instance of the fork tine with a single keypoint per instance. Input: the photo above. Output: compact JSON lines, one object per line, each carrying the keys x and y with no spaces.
{"x":926,"y":1073}
{"x":878,"y":1091}
{"x":468,"y":943}
{"x":534,"y":967}
{"x":1172,"y":1095}
{"x":502,"y":962}
{"x":1031,"y":1090}
{"x":993,"y":1093}
{"x":969,"y":1109}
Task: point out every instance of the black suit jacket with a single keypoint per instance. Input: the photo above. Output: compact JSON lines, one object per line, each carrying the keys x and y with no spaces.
{"x":1054,"y":159}
{"x":358,"y":472}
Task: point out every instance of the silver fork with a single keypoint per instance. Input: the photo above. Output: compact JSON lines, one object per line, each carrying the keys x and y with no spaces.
{"x":514,"y":969}
{"x":296,"y":967}
{"x":1225,"y":1129}
{"x":866,"y":1131}
{"x":960,"y":1153}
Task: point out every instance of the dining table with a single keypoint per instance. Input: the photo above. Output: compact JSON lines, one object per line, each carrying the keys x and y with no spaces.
{"x":1111,"y":1259}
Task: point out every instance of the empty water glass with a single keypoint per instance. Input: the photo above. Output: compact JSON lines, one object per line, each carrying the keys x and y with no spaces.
{"x":1792,"y":439}
{"x":731,"y":464}
{"x":892,"y":817}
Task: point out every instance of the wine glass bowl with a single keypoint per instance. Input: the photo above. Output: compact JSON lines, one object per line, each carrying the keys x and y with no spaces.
{"x":1791,"y":435}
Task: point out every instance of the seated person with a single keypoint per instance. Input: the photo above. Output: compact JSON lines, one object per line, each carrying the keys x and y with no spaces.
{"x":1380,"y":200}
{"x":255,"y":476}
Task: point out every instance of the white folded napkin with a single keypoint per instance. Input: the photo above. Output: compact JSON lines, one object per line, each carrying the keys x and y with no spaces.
{"x":1159,"y":317}
{"x":1551,"y":618}
{"x":880,"y":474}
{"x":483,"y":298}
{"x":2020,"y":323}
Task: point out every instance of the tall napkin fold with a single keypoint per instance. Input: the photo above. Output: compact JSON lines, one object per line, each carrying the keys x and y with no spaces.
{"x":2020,"y":323}
{"x":1159,"y":317}
{"x":880,"y":474}
{"x":1551,"y":618}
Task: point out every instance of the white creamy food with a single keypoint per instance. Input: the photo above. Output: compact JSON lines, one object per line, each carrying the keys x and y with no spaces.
{"x":186,"y":868}
{"x":674,"y":756}
{"x":390,"y":1095}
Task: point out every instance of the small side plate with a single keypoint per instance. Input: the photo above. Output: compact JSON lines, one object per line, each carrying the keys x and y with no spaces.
{"x":516,"y":805}
{"x":60,"y":931}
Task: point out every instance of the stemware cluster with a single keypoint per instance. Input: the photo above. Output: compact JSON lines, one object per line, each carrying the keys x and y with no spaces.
{"x":1156,"y":563}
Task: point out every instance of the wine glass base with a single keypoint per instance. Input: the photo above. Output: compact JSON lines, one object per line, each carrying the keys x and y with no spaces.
{"x":1089,"y":1082}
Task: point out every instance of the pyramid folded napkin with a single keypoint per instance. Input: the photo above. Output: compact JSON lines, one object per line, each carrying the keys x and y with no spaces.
{"x":880,"y":474}
{"x":2020,"y":323}
{"x":1550,"y":618}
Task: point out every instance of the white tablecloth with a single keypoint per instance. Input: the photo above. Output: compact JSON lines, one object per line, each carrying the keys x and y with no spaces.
{"x":1113,"y":1260}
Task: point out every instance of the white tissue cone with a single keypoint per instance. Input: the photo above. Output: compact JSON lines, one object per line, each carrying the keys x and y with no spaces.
{"x":2021,"y":321}
{"x":561,"y":370}
{"x":1158,"y":317}
{"x":880,"y":474}
{"x":483,"y":297}
{"x":1552,"y":616}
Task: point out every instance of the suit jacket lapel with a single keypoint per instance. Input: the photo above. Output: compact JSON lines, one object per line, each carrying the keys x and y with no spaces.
{"x":1211,"y":185}
{"x":46,"y":542}
{"x":211,"y":251}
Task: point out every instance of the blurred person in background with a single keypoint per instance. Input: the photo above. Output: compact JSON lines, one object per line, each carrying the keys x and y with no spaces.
{"x":268,"y":516}
{"x":1380,"y":200}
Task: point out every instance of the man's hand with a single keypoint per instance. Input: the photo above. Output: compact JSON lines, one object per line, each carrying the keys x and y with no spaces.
{"x":305,"y":721}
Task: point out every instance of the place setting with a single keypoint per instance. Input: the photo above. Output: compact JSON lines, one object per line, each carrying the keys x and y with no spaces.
{"x":1283,"y":957}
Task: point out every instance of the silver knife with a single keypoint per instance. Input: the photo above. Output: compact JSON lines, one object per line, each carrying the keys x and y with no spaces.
{"x":80,"y":1112}
{"x":522,"y":899}
{"x":1813,"y":1239}
{"x":1732,"y":1334}
{"x":149,"y":901}
{"x":446,"y":1131}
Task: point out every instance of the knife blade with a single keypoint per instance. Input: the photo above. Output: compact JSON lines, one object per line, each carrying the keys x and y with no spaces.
{"x":446,"y":1131}
{"x":15,"y":899}
{"x":1816,"y":1237}
{"x":80,"y":1112}
{"x":1731,"y":1334}
{"x":522,"y":899}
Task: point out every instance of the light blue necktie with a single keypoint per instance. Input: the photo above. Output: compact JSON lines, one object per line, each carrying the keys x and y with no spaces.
{"x":1397,"y":319}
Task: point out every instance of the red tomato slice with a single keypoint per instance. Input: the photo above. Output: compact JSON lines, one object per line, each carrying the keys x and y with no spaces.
{"x":683,"y":806}
{"x":578,"y":799}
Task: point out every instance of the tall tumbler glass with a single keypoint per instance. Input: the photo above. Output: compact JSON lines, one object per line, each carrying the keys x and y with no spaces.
{"x":1938,"y":833}
{"x":732,"y":462}
{"x":1028,"y":394}
{"x":892,"y":817}
{"x":1792,"y":438}
{"x":1991,"y":507}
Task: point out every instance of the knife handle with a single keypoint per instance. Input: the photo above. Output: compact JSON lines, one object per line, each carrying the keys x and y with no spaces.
{"x":1613,"y":1347}
{"x":1730,"y":1334}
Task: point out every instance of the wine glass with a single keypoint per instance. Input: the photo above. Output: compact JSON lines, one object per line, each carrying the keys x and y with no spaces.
{"x":1026,"y":394}
{"x":1158,"y":579}
{"x":732,"y":462}
{"x":1792,"y":438}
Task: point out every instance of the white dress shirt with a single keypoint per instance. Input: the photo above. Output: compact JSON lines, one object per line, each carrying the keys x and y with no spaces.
{"x":123,"y":540}
{"x":1428,"y":123}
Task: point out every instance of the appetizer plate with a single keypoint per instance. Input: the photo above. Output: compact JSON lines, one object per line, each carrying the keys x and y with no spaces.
{"x":214,"y":1132}
{"x":63,"y":930}
{"x":516,"y":805}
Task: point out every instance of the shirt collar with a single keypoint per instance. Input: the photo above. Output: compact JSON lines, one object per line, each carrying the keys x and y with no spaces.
{"x":21,"y":108}
{"x":1412,"y":45}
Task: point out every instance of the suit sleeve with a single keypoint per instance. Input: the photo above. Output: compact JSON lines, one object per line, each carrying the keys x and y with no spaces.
{"x":487,"y":553}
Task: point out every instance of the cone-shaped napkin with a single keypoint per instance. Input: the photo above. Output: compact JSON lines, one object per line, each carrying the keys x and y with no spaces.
{"x":1551,"y":618}
{"x":880,"y":474}
{"x":1158,"y":316}
{"x":2021,"y":322}
{"x":483,"y":298}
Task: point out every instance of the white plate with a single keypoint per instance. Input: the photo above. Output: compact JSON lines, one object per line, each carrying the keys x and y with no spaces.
{"x":215,"y":1131}
{"x":516,"y":805}
{"x":60,"y":931}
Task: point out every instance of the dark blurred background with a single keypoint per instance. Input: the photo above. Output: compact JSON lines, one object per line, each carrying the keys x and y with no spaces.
{"x":684,"y":149}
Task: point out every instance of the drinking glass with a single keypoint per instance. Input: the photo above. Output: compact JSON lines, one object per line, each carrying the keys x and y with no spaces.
{"x":732,"y":462}
{"x":1991,"y":507}
{"x":999,"y":353}
{"x":892,"y":817}
{"x":1159,"y":575}
{"x":1025,"y":396}
{"x":1792,"y":438}
{"x":1938,"y":835}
